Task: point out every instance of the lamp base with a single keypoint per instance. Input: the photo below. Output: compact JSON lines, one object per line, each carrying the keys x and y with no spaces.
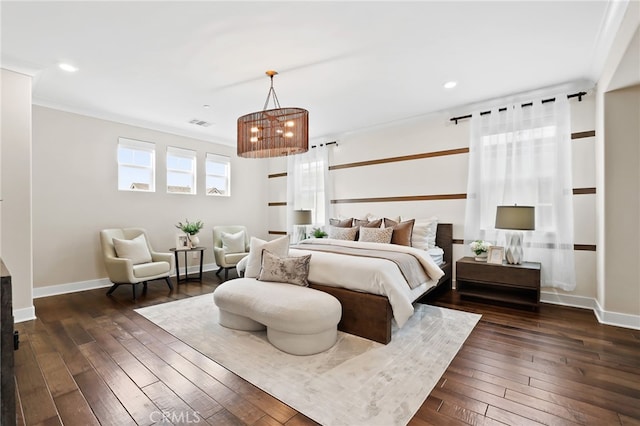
{"x":514,"y":252}
{"x":299,"y":233}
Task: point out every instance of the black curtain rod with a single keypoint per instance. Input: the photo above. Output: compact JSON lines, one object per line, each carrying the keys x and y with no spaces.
{"x":327,"y":144}
{"x":578,"y":95}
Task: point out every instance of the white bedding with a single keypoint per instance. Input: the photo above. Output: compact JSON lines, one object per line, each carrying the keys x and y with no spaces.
{"x":437,"y":254}
{"x":369,"y":275}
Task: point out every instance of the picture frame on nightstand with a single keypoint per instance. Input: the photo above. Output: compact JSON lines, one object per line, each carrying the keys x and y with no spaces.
{"x":182,"y":242}
{"x":495,"y":255}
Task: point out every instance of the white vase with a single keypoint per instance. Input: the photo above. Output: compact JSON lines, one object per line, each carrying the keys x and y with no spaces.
{"x":482,"y":257}
{"x":194,"y":240}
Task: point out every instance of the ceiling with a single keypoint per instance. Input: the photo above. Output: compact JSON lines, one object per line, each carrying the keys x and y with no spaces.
{"x":353,"y":64}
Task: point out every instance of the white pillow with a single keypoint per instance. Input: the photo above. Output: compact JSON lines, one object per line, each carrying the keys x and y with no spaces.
{"x":135,"y":249}
{"x":424,"y":233}
{"x":233,"y":243}
{"x":278,"y":247}
{"x":375,"y":235}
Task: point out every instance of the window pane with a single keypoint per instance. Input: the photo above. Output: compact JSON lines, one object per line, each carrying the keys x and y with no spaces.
{"x":179,"y":163}
{"x":181,"y":171}
{"x":136,"y":168}
{"x":216,"y":185}
{"x":218,"y":170}
{"x":142,"y":158}
{"x":125,"y":155}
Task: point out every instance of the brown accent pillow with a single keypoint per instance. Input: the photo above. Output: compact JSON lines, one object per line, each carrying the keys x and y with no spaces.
{"x":341,"y":223}
{"x":401,"y":231}
{"x":367,"y":224}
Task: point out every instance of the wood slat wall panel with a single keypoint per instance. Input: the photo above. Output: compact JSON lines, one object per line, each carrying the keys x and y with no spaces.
{"x":401,"y":198}
{"x":402,"y":158}
{"x":455,"y":151}
{"x":581,"y":135}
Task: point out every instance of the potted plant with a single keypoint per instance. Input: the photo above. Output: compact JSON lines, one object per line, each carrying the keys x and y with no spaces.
{"x":480,"y":248}
{"x":191,"y":229}
{"x":318,"y":233}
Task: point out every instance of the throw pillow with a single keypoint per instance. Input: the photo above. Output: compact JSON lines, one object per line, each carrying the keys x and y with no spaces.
{"x":401,"y":231}
{"x":368,"y":224}
{"x":375,"y":235}
{"x":338,"y":233}
{"x":424,"y":233}
{"x":233,"y":243}
{"x":135,"y":249}
{"x":341,"y":223}
{"x":395,"y":219}
{"x":291,"y":270}
{"x":279,"y":247}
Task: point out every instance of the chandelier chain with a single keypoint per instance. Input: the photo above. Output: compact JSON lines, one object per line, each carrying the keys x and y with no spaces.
{"x":276,"y":102}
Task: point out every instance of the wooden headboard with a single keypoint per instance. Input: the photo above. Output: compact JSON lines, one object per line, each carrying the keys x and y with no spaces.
{"x":444,"y":240}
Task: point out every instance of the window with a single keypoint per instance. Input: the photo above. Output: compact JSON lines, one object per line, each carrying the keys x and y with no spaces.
{"x":308,"y":185}
{"x":218,"y":169}
{"x":527,"y":159}
{"x":181,"y":171}
{"x":136,"y":165}
{"x":521,"y":155}
{"x":310,"y":191}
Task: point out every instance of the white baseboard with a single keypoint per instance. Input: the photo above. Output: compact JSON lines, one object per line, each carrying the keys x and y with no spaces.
{"x":54,"y":290}
{"x":604,"y":317}
{"x":24,"y":314}
{"x":616,"y":318}
{"x":567,"y":300}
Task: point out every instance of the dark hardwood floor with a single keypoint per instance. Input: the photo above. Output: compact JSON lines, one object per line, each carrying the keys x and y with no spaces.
{"x":90,"y":359}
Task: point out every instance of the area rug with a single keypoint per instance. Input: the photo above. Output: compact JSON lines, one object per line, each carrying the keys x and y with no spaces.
{"x":356,"y":382}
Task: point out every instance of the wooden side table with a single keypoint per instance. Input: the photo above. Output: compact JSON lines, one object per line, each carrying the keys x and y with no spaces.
{"x":518,"y":284}
{"x":186,"y":264}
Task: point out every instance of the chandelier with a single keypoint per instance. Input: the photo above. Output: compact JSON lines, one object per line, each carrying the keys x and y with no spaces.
{"x":273,"y":132}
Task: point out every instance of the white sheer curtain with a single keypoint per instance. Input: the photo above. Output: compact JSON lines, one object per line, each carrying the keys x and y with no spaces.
{"x":308,"y":186}
{"x":522,"y":156}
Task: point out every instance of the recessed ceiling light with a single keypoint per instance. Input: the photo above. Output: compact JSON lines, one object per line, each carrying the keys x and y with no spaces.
{"x":450,"y":84}
{"x":206,"y":106}
{"x":67,"y":67}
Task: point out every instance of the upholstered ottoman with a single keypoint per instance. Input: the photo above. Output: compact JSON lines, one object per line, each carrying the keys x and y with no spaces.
{"x":299,"y":320}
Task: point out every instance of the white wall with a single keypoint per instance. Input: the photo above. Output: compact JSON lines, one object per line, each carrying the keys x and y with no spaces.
{"x":443,"y":175}
{"x":618,"y":132}
{"x":15,"y":189}
{"x":622,"y":201}
{"x":75,"y":196}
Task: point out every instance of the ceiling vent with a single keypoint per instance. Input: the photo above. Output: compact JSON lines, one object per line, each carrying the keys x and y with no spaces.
{"x":201,"y":123}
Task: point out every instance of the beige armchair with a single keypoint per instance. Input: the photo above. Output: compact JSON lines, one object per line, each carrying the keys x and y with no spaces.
{"x":129,"y":259}
{"x":235,"y":250}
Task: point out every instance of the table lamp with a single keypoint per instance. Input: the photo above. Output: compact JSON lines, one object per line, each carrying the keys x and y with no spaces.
{"x":301,"y":218}
{"x":515,"y":219}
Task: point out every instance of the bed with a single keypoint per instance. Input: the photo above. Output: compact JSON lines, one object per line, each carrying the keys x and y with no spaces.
{"x":371,"y":315}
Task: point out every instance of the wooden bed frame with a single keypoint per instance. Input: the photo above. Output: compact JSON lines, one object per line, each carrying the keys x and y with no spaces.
{"x":370,"y":315}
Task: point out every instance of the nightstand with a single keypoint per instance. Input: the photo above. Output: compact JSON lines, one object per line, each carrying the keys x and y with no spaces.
{"x":518,"y":284}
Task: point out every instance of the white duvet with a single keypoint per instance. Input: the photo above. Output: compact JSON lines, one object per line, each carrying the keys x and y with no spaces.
{"x":369,"y":275}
